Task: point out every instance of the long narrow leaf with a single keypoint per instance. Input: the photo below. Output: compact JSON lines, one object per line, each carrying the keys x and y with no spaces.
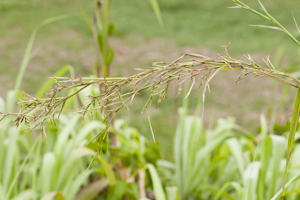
{"x":20,"y":169}
{"x":292,"y":133}
{"x":172,"y":193}
{"x":26,"y":57}
{"x":69,"y":169}
{"x":277,"y":156}
{"x":155,"y":7}
{"x":288,"y":183}
{"x":265,"y":155}
{"x":52,"y":195}
{"x":157,"y":186}
{"x":92,"y":190}
{"x":251,"y":176}
{"x":108,"y":170}
{"x":26,"y":195}
{"x":296,"y":24}
{"x":236,"y":150}
{"x":46,"y":172}
{"x":269,"y":27}
{"x":9,"y":159}
{"x":50,"y":82}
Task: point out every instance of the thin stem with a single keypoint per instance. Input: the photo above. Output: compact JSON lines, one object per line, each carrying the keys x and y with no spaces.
{"x":292,"y":133}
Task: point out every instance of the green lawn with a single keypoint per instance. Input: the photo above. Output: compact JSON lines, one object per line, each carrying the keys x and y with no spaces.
{"x":208,"y":23}
{"x":187,"y":23}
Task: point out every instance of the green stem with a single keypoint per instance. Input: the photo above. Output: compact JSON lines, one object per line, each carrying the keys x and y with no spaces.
{"x":293,"y":130}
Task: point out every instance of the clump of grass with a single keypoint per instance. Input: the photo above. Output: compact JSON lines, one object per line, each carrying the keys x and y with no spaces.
{"x":157,"y":80}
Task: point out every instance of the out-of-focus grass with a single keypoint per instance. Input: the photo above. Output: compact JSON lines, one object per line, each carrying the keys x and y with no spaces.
{"x":208,"y":23}
{"x":189,"y":23}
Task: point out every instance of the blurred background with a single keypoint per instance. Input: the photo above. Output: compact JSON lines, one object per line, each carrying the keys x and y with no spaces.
{"x":190,"y":26}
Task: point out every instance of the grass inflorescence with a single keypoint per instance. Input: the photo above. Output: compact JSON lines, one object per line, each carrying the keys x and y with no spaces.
{"x":157,"y":79}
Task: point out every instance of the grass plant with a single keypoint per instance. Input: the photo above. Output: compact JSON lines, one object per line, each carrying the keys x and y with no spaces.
{"x":54,"y":164}
{"x":228,"y":162}
{"x":33,"y":168}
{"x":158,"y":80}
{"x":59,"y":170}
{"x":182,"y":28}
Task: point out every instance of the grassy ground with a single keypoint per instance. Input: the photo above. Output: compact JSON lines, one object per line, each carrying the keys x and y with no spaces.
{"x":208,"y":23}
{"x":190,"y":26}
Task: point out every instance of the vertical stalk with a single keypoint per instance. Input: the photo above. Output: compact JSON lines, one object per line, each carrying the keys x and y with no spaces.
{"x":101,"y":36}
{"x":105,"y":16}
{"x":293,"y":130}
{"x":95,"y":37}
{"x":142,"y":189}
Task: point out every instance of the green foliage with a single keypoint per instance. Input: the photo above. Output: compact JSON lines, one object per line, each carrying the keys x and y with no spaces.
{"x":34,"y":168}
{"x":156,"y":182}
{"x":226,"y":162}
{"x":135,"y":152}
{"x":207,"y":157}
{"x":229,"y":163}
{"x":295,"y":118}
{"x":59,"y":165}
{"x":12,"y":4}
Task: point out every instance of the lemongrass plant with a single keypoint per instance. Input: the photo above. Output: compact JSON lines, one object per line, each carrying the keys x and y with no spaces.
{"x":33,"y":168}
{"x":227,"y":161}
{"x":156,"y":80}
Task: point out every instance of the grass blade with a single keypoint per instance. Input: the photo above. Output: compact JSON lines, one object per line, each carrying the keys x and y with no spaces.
{"x":92,"y":190}
{"x":52,"y":195}
{"x":251,"y":176}
{"x":236,"y":150}
{"x":292,"y":133}
{"x":108,"y":170}
{"x":269,"y":17}
{"x":172,"y":192}
{"x":277,"y":156}
{"x":288,"y":183}
{"x":88,"y":130}
{"x":64,"y":135}
{"x":46,"y":172}
{"x":157,"y":186}
{"x":80,"y":181}
{"x":155,"y":7}
{"x":26,"y":195}
{"x":50,"y":82}
{"x":20,"y":169}
{"x":269,"y":27}
{"x":2,"y":105}
{"x":69,"y":167}
{"x":265,"y":155}
{"x":9,"y":159}
{"x":151,"y":129}
{"x":296,"y":24}
{"x":10,"y":100}
{"x":26,"y":57}
{"x":263,"y":7}
{"x":177,"y":147}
